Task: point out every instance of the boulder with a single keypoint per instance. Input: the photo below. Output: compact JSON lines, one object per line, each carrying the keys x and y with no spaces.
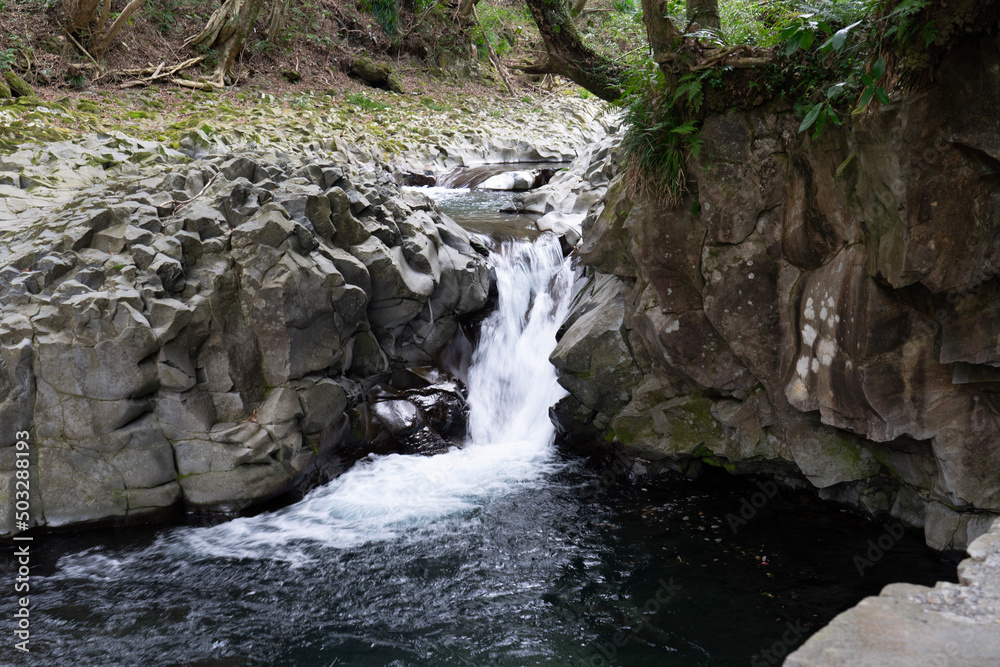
{"x":379,"y":75}
{"x":594,"y":357}
{"x":18,"y":87}
{"x":510,"y":181}
{"x":951,"y":625}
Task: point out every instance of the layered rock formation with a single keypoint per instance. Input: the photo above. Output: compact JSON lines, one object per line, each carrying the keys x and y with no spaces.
{"x":208,"y":334}
{"x":821,"y":311}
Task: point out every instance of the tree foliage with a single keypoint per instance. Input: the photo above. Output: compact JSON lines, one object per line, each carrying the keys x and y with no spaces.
{"x":834,"y":58}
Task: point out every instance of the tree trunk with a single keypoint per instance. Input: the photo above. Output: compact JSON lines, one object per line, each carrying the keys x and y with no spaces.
{"x":703,"y":13}
{"x":465,"y":8}
{"x":663,"y":35}
{"x":226,"y":33}
{"x":101,"y":44}
{"x":570,"y":57}
{"x":79,"y":14}
{"x":276,"y":20}
{"x":494,"y":58}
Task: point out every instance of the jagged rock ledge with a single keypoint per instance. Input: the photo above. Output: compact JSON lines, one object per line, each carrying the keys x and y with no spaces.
{"x":214,"y":324}
{"x":950,"y":625}
{"x":216,"y":333}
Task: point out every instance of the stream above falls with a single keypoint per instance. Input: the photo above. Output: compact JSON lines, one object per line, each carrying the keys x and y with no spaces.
{"x":506,"y":551}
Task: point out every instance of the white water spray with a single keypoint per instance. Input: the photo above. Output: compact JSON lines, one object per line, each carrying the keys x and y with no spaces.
{"x":510,"y":444}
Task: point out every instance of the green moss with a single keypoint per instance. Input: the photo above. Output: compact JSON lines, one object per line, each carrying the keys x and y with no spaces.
{"x":629,"y":430}
{"x":707,"y":456}
{"x":848,"y":452}
{"x":692,"y":424}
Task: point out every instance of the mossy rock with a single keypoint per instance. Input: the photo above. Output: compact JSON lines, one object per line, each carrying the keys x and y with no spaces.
{"x":379,"y":75}
{"x":4,"y":90}
{"x":18,"y":86}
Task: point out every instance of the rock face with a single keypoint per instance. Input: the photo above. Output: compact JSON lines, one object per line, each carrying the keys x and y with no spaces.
{"x":209,"y":336}
{"x":950,"y":625}
{"x":825,"y":312}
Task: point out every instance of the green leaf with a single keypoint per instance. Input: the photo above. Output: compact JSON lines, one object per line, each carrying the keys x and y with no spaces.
{"x":821,"y":123}
{"x":878,"y":69}
{"x":843,"y":165}
{"x":882,"y":96}
{"x":788,"y":33}
{"x":867,"y":81}
{"x":909,"y":7}
{"x":839,"y":38}
{"x":807,"y":40}
{"x":866,"y":97}
{"x":836,"y":90}
{"x":686,"y":128}
{"x":794,"y":44}
{"x":810,"y":118}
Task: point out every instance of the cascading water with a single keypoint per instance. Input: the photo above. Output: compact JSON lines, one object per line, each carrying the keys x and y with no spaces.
{"x":511,"y":387}
{"x":501,"y":552}
{"x":511,"y":382}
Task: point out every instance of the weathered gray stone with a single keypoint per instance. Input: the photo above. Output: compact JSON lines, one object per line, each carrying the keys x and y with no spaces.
{"x":950,"y":625}
{"x":269,"y":226}
{"x":322,"y":404}
{"x":138,"y":335}
{"x":169,"y":270}
{"x":281,"y":405}
{"x":595,"y":359}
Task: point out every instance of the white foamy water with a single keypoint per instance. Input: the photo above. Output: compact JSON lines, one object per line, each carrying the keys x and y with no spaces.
{"x":510,"y":444}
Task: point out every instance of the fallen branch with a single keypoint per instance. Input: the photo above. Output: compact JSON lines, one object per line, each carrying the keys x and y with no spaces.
{"x":153,"y":74}
{"x":158,"y":72}
{"x":725,"y":56}
{"x":83,"y":50}
{"x":742,"y":63}
{"x":208,"y":86}
{"x":178,"y":205}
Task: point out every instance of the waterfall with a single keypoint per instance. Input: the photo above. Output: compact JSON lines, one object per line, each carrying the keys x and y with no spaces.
{"x":511,"y":382}
{"x":510,"y":443}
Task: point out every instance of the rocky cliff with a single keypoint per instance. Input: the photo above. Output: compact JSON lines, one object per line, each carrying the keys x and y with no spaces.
{"x":211,"y":333}
{"x":825,"y":311}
